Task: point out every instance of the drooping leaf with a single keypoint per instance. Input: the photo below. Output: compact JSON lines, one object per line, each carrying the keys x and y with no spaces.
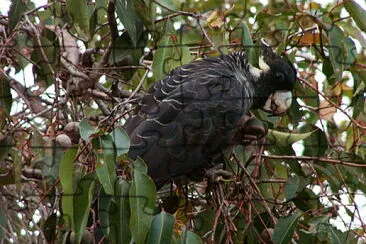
{"x":17,"y":9}
{"x":350,"y":53}
{"x":146,"y":10}
{"x":353,"y":31}
{"x":3,"y":223}
{"x":125,"y":52}
{"x":161,"y":230}
{"x":336,"y":50}
{"x":121,"y":140}
{"x":80,"y":15}
{"x":284,"y":229}
{"x":46,"y":57}
{"x":82,"y":200}
{"x":189,"y":237}
{"x":131,"y":21}
{"x":357,"y":12}
{"x":66,"y":173}
{"x":140,"y":165}
{"x":247,"y":43}
{"x":286,"y":138}
{"x":53,"y":154}
{"x":142,"y":201}
{"x":316,"y":144}
{"x":85,"y":129}
{"x":5,"y":100}
{"x":23,"y":43}
{"x":104,"y":208}
{"x":119,"y":214}
{"x":295,"y":185}
{"x":170,"y":53}
{"x":307,"y":200}
{"x":106,"y":159}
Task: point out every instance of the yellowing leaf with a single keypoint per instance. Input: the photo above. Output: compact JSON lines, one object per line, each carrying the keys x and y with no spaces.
{"x":216,"y":19}
{"x":286,"y":138}
{"x":308,"y":39}
{"x":326,"y":110}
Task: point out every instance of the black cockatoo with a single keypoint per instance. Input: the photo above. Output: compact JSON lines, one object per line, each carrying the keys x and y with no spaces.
{"x":187,"y":118}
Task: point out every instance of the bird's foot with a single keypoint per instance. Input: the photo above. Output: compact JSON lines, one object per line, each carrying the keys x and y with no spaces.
{"x":217,"y":174}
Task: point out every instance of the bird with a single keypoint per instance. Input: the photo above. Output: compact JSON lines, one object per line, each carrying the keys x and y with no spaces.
{"x":185,"y":119}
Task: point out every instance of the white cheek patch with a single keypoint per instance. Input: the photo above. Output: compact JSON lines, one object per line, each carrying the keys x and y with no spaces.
{"x":255,"y":71}
{"x":263,"y":65}
{"x":278,"y":102}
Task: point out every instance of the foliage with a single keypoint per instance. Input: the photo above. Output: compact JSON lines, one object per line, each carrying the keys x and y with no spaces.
{"x":64,"y":173}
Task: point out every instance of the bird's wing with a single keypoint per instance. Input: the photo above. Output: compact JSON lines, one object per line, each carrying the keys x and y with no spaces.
{"x":187,"y":118}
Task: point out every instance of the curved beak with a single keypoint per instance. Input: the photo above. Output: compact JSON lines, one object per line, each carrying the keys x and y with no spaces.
{"x":278,"y":102}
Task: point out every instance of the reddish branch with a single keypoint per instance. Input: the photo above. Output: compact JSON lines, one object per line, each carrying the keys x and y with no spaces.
{"x":355,"y":122}
{"x":321,"y":159}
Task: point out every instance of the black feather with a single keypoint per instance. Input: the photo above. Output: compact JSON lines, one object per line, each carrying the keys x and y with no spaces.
{"x":185,"y":119}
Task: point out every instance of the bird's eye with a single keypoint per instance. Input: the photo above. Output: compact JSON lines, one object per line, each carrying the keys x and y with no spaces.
{"x":280,"y":76}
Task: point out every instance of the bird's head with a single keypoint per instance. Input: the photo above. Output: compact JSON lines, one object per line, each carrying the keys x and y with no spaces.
{"x":277,"y":79}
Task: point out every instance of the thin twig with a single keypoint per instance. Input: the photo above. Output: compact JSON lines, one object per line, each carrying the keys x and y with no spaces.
{"x":356,"y":123}
{"x":321,"y":159}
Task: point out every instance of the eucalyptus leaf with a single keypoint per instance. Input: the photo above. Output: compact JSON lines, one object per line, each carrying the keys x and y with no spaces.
{"x":79,"y":12}
{"x":82,"y":202}
{"x":161,"y":230}
{"x":142,"y":201}
{"x":284,"y":229}
{"x":121,"y":141}
{"x":106,"y":160}
{"x":17,"y":9}
{"x":357,"y":12}
{"x":286,"y":138}
{"x":66,"y":174}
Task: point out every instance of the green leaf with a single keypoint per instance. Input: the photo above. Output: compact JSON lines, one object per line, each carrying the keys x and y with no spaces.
{"x":82,"y":200}
{"x":121,"y":141}
{"x":316,"y":144}
{"x":5,"y":100}
{"x":353,"y":31}
{"x":350,"y":53}
{"x":105,"y":209}
{"x":307,"y":200}
{"x":295,"y":185}
{"x":16,"y":11}
{"x":131,"y":21}
{"x":247,"y":43}
{"x":79,"y":11}
{"x":49,"y":228}
{"x":106,"y":160}
{"x":327,"y":69}
{"x":140,"y":165}
{"x":48,"y":63}
{"x":66,"y":173}
{"x":142,"y":201}
{"x":53,"y":154}
{"x":357,"y":12}
{"x":85,"y":129}
{"x":3,"y":223}
{"x":336,"y":50}
{"x":161,"y":230}
{"x":23,"y":44}
{"x":124,"y":51}
{"x":146,"y":10}
{"x":170,"y":53}
{"x":189,"y":237}
{"x":119,"y":214}
{"x":285,"y":228}
{"x":203,"y":221}
{"x":286,"y":138}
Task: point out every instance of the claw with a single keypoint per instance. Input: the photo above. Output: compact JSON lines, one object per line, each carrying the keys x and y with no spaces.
{"x":217,"y":173}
